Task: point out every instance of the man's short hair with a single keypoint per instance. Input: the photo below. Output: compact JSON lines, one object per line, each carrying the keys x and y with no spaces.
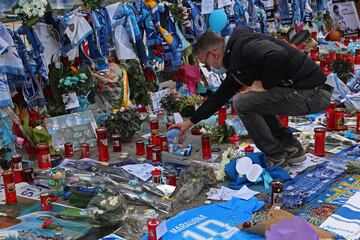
{"x":335,"y":7}
{"x":207,"y":41}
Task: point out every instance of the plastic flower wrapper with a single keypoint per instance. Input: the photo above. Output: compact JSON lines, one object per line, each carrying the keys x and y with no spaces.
{"x":264,"y":221}
{"x":156,"y":202}
{"x":297,"y":228}
{"x":109,"y":208}
{"x":192,"y":182}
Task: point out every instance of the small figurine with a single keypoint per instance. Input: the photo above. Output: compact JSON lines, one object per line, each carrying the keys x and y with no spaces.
{"x":57,"y":182}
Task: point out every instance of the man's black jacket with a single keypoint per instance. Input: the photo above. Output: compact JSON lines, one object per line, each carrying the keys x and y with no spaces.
{"x":251,"y":56}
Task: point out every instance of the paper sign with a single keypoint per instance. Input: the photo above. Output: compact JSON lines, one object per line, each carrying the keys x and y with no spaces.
{"x":207,"y":6}
{"x":178,"y":118}
{"x":156,"y":97}
{"x":245,"y":193}
{"x":311,"y":160}
{"x":70,"y":100}
{"x":161,"y":229}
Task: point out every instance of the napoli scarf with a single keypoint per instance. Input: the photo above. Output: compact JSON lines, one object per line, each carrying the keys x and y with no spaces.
{"x":32,"y":91}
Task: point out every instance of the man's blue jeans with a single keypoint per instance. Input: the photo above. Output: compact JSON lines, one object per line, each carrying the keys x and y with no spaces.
{"x":258,"y":111}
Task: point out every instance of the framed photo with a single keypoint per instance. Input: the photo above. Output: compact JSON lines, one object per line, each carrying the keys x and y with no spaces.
{"x":345,"y":17}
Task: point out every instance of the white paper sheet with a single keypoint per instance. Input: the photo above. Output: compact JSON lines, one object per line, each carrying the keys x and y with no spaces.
{"x":142,"y":171}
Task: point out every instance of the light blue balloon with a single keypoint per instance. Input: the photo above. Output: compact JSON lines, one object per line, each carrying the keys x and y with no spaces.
{"x":218,"y":20}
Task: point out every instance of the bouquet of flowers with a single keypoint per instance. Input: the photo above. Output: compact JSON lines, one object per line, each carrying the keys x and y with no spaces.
{"x":75,"y":84}
{"x":175,"y":102}
{"x":31,"y":10}
{"x":125,"y":122}
{"x":218,"y":134}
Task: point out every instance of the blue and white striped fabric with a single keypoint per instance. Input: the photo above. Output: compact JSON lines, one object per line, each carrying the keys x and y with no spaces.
{"x":346,"y":220}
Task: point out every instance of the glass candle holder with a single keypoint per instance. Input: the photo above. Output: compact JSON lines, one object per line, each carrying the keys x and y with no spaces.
{"x":156,"y":158}
{"x":163,"y":143}
{"x":140,"y":148}
{"x":222,"y":115}
{"x":330,"y":116}
{"x":358,"y":122}
{"x":85,"y":150}
{"x":249,"y":149}
{"x":102,"y":142}
{"x":155,"y":140}
{"x":68,"y":150}
{"x":206,"y":147}
{"x":154,"y":127}
{"x":235,"y":141}
{"x":171,"y":179}
{"x":116,"y":139}
{"x":9,"y":187}
{"x":339,"y":119}
{"x":149,"y":152}
{"x":319,"y":149}
{"x":357,"y":56}
{"x":43,"y":156}
{"x":156,"y":174}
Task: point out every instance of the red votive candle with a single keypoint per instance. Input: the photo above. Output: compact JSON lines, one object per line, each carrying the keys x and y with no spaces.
{"x":339,"y":119}
{"x":140,"y":148}
{"x":154,"y":127}
{"x":235,"y":140}
{"x":17,"y":167}
{"x":68,"y":150}
{"x":358,"y":122}
{"x":9,"y":187}
{"x":222,"y":115}
{"x":163,"y":143}
{"x":357,"y":56}
{"x":116,"y":139}
{"x":330,"y":116}
{"x":206,"y":147}
{"x":155,"y":140}
{"x":85,"y":150}
{"x":43,"y":156}
{"x":156,"y":173}
{"x":152,"y":227}
{"x":149,"y":152}
{"x":249,"y":149}
{"x":319,"y":141}
{"x":284,"y":120}
{"x":171,"y":179}
{"x":156,"y":158}
{"x":102,"y":142}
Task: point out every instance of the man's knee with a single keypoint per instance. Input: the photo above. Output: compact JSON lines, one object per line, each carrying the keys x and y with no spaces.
{"x":241,"y":103}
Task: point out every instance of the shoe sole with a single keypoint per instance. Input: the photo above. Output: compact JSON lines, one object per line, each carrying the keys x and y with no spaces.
{"x":282,"y":163}
{"x":296,"y":160}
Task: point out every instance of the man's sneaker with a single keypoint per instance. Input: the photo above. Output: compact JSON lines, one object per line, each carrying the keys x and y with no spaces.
{"x":296,"y":154}
{"x":276,"y":162}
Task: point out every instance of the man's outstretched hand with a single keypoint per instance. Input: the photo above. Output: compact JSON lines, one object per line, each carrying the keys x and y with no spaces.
{"x":183,"y":126}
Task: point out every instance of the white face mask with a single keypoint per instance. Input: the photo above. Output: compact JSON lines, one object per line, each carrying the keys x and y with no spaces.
{"x":219,"y":71}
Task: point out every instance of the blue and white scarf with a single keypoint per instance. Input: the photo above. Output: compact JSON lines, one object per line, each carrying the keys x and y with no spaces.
{"x":346,"y":220}
{"x":32,"y":90}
